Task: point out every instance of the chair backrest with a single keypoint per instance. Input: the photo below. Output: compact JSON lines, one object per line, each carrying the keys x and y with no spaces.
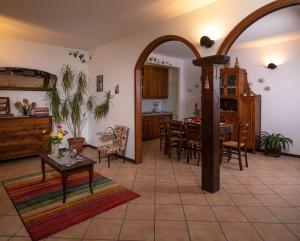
{"x":193,"y":131}
{"x":4,"y":106}
{"x":163,"y":125}
{"x":243,"y":133}
{"x":120,"y":135}
{"x":175,"y":128}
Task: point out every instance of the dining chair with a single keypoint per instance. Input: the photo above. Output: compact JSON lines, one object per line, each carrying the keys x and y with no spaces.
{"x":193,"y":141}
{"x":236,"y":147}
{"x":175,"y":137}
{"x":162,"y":132}
{"x":119,"y":144}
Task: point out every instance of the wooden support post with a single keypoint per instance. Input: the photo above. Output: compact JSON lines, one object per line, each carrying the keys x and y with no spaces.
{"x":210,"y":108}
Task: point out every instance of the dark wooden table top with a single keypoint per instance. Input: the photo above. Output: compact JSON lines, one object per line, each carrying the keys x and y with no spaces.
{"x":56,"y":165}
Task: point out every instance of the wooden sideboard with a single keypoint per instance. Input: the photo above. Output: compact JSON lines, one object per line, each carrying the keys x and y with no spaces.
{"x":23,"y":136}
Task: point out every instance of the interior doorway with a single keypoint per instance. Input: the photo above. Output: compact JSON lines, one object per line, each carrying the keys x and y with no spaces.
{"x":138,"y":85}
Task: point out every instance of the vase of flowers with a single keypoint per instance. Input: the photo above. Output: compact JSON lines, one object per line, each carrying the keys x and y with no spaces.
{"x":56,"y":140}
{"x":197,"y":114}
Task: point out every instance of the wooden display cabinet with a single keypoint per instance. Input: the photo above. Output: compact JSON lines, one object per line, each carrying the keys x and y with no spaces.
{"x":239,"y":104}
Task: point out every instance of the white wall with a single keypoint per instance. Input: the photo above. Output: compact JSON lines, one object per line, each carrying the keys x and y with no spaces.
{"x":116,"y":60}
{"x":17,"y":53}
{"x":280,"y":105}
{"x":191,"y":89}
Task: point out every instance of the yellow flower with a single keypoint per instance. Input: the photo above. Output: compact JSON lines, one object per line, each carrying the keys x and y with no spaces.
{"x":60,"y":136}
{"x":52,"y":134}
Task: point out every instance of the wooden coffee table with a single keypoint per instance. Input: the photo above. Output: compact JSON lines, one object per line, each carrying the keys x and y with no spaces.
{"x":85,"y":165}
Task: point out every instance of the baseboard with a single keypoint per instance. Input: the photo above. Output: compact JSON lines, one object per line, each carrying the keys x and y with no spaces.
{"x":118,"y":155}
{"x":282,"y":153}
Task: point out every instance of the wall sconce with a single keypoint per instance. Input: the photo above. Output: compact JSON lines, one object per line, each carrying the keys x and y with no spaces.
{"x":206,"y":41}
{"x":272,"y":66}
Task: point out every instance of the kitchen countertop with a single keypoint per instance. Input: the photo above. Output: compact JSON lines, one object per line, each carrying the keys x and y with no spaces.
{"x":157,"y":113}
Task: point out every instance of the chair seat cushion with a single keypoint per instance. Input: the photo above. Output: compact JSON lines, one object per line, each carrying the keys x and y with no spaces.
{"x":232,"y":144}
{"x":110,"y":149}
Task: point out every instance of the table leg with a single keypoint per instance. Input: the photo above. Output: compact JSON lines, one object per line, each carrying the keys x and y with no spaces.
{"x":43,"y":168}
{"x":91,"y":177}
{"x":64,"y":185}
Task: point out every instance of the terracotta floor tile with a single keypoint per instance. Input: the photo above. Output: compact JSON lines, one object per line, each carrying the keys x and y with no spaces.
{"x":168,"y":187}
{"x":145,"y":197}
{"x":259,"y":189}
{"x":137,"y":230}
{"x":294,"y":228}
{"x":240,"y":232}
{"x":283,"y":189}
{"x":189,"y":188}
{"x":198,"y":213}
{"x":75,"y":231}
{"x":245,"y":200}
{"x":248,"y":180}
{"x":219,"y":199}
{"x":205,"y":231}
{"x":272,"y":201}
{"x":4,"y":238}
{"x":139,"y":211}
{"x":116,"y":212}
{"x":104,"y":229}
{"x":171,"y":230}
{"x":167,"y":198}
{"x":144,"y":186}
{"x":169,"y":212}
{"x":274,"y":232}
{"x":259,"y":214}
{"x":228,"y":213}
{"x":23,"y":239}
{"x":193,"y":198}
{"x":286,"y":215}
{"x":269,"y":180}
{"x":6,"y":206}
{"x":235,"y":188}
{"x":293,"y":200}
{"x":9,"y":225}
{"x":165,"y":178}
{"x":144,"y":178}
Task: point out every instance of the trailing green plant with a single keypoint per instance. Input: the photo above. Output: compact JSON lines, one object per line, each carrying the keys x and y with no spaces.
{"x":274,"y":143}
{"x":71,"y":105}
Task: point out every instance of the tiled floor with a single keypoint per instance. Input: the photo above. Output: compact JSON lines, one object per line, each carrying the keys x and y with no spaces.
{"x":259,"y":203}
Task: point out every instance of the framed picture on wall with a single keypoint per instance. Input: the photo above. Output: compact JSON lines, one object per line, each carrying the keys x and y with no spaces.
{"x":99,"y":83}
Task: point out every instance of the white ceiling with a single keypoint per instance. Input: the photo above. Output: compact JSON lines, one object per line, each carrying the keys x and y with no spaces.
{"x":86,"y":24}
{"x":175,"y":49}
{"x":275,"y":27}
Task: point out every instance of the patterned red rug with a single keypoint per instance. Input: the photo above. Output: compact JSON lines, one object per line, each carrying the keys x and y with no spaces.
{"x":40,"y":206}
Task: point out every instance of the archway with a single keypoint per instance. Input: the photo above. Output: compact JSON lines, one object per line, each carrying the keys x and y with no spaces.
{"x":252,"y":18}
{"x":138,"y":83}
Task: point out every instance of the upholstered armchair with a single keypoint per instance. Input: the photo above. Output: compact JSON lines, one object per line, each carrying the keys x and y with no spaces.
{"x":120,"y":136}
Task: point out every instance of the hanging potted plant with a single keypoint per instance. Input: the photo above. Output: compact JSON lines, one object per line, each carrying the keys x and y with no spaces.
{"x":72,"y":106}
{"x":274,"y":143}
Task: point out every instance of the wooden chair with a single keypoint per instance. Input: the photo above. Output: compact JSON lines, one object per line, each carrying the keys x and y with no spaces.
{"x":120,"y":136}
{"x":193,"y":140}
{"x":5,"y":107}
{"x":162,"y":132}
{"x":175,"y":137}
{"x":236,"y":147}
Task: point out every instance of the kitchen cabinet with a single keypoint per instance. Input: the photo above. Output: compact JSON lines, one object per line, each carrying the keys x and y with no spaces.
{"x":150,"y":124}
{"x":155,"y":82}
{"x":239,"y":104}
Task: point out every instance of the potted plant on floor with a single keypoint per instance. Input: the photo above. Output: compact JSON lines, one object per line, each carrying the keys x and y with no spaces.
{"x":274,"y":143}
{"x":72,"y":106}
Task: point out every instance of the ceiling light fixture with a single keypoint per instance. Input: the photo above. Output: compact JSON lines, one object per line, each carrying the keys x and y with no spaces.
{"x":206,"y":41}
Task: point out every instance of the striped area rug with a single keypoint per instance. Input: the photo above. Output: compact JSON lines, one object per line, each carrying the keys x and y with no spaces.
{"x":40,"y":203}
